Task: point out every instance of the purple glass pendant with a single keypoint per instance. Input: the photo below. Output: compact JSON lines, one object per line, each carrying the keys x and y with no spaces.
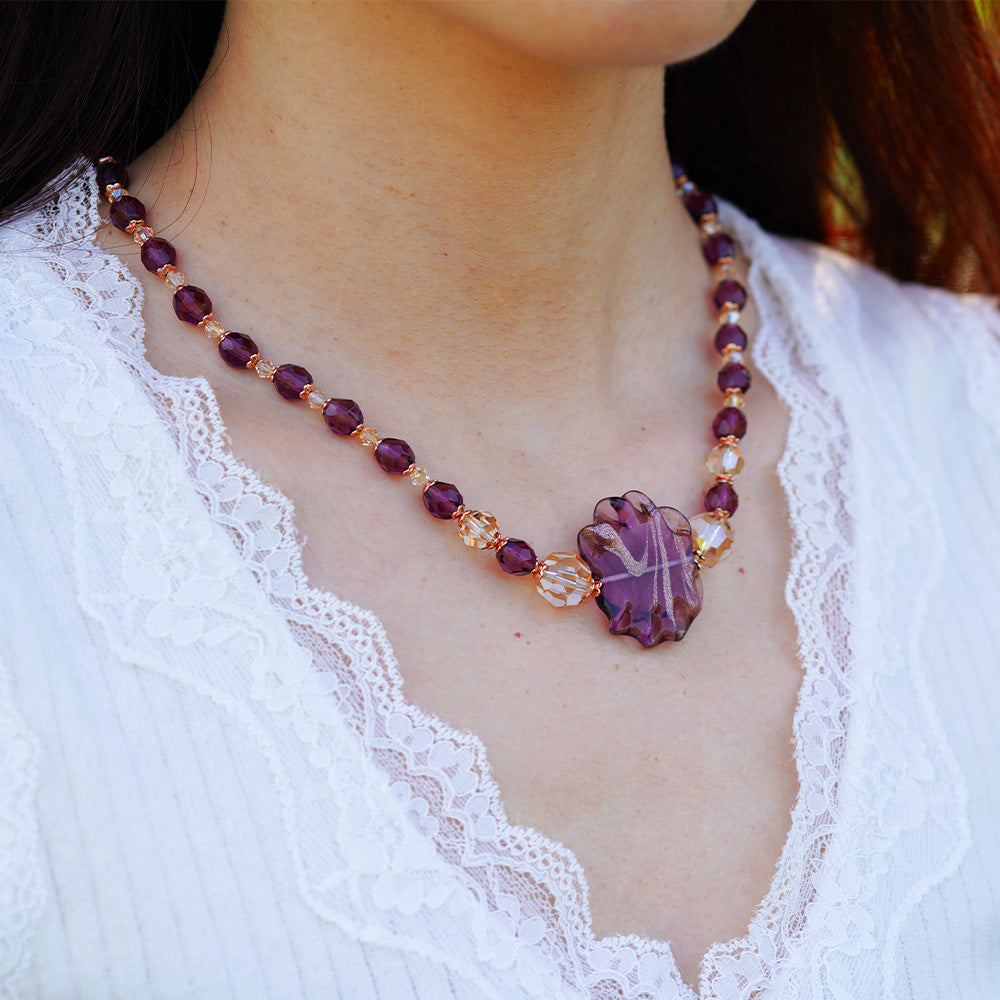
{"x":641,"y":553}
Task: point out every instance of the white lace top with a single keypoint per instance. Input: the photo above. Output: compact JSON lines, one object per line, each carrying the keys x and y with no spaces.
{"x":211,"y":787}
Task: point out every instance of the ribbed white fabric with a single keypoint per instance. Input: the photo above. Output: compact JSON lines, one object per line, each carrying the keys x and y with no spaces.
{"x":211,"y":786}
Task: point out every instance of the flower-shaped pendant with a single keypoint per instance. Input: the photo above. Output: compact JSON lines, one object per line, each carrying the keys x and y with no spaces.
{"x":642,"y":556}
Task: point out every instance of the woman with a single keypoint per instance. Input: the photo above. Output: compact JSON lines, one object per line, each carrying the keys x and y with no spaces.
{"x":463,"y":216}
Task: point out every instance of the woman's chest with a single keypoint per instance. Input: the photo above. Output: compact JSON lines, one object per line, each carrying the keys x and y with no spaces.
{"x":668,"y":772}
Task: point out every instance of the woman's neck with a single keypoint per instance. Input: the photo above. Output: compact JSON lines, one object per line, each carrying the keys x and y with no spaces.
{"x":378,"y":180}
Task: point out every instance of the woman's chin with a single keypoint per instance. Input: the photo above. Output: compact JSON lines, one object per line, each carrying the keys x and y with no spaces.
{"x":600,"y":32}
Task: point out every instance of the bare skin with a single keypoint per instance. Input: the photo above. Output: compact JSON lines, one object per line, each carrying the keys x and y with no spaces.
{"x":483,"y":247}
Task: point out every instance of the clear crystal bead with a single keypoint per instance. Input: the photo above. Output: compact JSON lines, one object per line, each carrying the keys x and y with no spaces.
{"x":368,"y":436}
{"x":479,"y":528}
{"x":142,"y":233}
{"x":419,"y":477}
{"x":116,"y":192}
{"x":174,"y":278}
{"x":265,"y":369}
{"x":214,"y":329}
{"x":725,"y":460}
{"x":710,"y":227}
{"x":733,"y":357}
{"x":563,"y":579}
{"x":711,"y":538}
{"x":316,"y":399}
{"x":729,"y":317}
{"x":734,"y":398}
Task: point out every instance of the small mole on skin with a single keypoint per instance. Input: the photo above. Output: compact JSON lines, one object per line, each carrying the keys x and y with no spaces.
{"x":742,"y":570}
{"x":517,"y":635}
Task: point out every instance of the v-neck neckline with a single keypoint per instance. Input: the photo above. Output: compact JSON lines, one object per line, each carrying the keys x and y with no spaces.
{"x":394,"y":730}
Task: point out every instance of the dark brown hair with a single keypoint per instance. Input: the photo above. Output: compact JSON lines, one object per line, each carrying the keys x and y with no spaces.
{"x":868,"y":124}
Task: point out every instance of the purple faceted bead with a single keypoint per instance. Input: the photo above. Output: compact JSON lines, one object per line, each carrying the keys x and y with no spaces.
{"x":729,"y":422}
{"x":722,"y":495}
{"x":699,"y":204}
{"x":717,"y":246}
{"x":729,"y":334}
{"x":393,"y":455}
{"x":734,"y":376}
{"x":642,"y":555}
{"x":678,"y":171}
{"x":442,"y":500}
{"x":125,"y":211}
{"x":342,"y":416}
{"x":290,"y":380}
{"x":729,"y":292}
{"x":237,"y":350}
{"x":192,"y":304}
{"x":516,"y":557}
{"x":157,"y":253}
{"x":111,"y":172}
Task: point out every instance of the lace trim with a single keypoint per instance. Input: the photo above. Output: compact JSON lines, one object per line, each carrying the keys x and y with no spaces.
{"x":521,"y":897}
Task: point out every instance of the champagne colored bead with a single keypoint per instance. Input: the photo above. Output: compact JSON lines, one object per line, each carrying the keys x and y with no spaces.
{"x":711,"y":537}
{"x":316,"y":399}
{"x":368,"y":436}
{"x":563,"y":579}
{"x":419,"y":477}
{"x":479,"y":529}
{"x":214,"y":329}
{"x":265,"y":369}
{"x":175,"y":279}
{"x":725,"y":460}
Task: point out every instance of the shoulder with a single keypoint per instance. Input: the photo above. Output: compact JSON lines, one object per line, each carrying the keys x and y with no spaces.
{"x":874,"y":314}
{"x":900,"y":351}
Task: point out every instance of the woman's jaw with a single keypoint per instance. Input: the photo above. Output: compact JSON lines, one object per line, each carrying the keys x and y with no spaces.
{"x":600,"y":32}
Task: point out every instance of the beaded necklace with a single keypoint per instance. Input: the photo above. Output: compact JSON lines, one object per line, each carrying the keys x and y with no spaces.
{"x":641,"y":563}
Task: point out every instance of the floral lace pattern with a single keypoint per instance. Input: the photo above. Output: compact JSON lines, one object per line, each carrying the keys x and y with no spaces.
{"x":393,"y":819}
